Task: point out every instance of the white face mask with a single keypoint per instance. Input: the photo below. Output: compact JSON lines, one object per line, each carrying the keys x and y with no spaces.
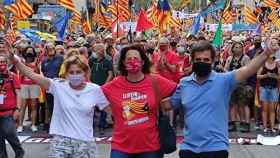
{"x":180,"y":50}
{"x":76,"y":80}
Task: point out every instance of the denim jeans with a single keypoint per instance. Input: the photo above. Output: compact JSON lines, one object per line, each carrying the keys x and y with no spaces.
{"x":119,"y":154}
{"x":8,"y":132}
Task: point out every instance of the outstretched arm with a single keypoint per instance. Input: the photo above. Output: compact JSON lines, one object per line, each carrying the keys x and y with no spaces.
{"x":28,"y":72}
{"x":245,"y":72}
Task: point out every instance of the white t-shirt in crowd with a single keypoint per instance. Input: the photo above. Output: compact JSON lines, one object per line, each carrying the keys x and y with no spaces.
{"x":73,"y":109}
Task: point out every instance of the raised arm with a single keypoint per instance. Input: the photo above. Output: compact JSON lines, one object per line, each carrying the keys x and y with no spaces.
{"x":271,"y":48}
{"x":28,"y":72}
{"x":245,"y":72}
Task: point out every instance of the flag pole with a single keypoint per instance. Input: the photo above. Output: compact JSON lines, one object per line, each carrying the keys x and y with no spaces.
{"x":117,"y":22}
{"x":130,"y":3}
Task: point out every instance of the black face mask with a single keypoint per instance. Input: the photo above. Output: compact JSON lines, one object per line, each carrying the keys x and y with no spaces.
{"x":258,"y":45}
{"x":202,"y":69}
{"x":150,"y":50}
{"x":173,"y":44}
{"x":30,"y":57}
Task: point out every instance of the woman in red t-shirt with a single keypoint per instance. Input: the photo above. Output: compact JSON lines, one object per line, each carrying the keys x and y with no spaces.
{"x":30,"y":91}
{"x":134,"y":107}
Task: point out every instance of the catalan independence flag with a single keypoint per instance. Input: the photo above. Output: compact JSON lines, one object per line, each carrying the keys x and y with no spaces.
{"x":68,"y":4}
{"x":152,"y":13}
{"x":250,"y":16}
{"x":271,"y":4}
{"x":228,"y":14}
{"x":20,"y":8}
{"x":11,"y":33}
{"x":85,"y":23}
{"x":273,"y":16}
{"x":2,"y":19}
{"x":100,"y":17}
{"x":119,"y":7}
{"x":164,"y":13}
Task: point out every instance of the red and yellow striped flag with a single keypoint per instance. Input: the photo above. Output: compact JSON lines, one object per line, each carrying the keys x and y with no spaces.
{"x":11,"y":32}
{"x":227,"y":16}
{"x":273,"y":16}
{"x":85,"y":24}
{"x":250,"y":16}
{"x":271,"y":4}
{"x":76,"y":18}
{"x":21,"y":9}
{"x":152,"y":13}
{"x":2,"y":19}
{"x":68,"y":4}
{"x":100,"y":18}
{"x":120,"y":7}
{"x":174,"y":22}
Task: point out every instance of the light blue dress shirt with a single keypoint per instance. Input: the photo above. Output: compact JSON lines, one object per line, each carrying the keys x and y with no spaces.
{"x":206,"y":108}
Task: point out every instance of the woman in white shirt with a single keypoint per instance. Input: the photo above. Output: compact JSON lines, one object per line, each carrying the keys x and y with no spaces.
{"x":74,"y":102}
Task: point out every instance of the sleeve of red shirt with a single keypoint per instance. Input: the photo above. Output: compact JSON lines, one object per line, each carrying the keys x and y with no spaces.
{"x":172,"y":58}
{"x":166,"y":86}
{"x":106,"y":88}
{"x":16,"y":81}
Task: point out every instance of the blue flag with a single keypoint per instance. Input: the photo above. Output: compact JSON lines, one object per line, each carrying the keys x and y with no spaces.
{"x":31,"y":34}
{"x":212,"y":8}
{"x":195,"y":25}
{"x":8,"y":2}
{"x":61,"y":24}
{"x":163,"y":5}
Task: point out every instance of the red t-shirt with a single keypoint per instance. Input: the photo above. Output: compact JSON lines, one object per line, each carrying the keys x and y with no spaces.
{"x":135,"y":113}
{"x":171,"y":58}
{"x":25,"y":80}
{"x":182,"y":63}
{"x":10,"y":100}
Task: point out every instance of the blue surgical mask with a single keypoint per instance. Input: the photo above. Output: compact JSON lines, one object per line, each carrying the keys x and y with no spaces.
{"x":181,"y":50}
{"x":76,"y":80}
{"x":119,"y":47}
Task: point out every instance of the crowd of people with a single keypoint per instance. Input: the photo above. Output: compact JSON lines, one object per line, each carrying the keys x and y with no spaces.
{"x":206,"y":91}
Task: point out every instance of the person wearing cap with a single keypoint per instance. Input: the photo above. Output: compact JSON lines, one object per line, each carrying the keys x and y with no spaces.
{"x":164,"y":61}
{"x":205,"y":97}
{"x":50,"y":68}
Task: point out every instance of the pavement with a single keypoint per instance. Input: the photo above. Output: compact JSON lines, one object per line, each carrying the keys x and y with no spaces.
{"x":35,"y":150}
{"x":36,"y":145}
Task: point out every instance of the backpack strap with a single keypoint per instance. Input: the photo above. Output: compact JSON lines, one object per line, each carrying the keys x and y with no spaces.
{"x":11,"y":80}
{"x":240,"y":60}
{"x":157,"y":94}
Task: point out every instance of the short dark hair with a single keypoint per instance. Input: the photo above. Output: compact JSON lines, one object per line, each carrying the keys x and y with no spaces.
{"x":203,"y":46}
{"x":33,"y":50}
{"x":142,"y":52}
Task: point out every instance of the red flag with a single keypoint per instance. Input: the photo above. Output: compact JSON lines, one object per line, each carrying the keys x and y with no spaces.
{"x":143,"y":23}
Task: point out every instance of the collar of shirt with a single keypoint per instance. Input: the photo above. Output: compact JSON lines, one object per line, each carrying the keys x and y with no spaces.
{"x":192,"y":78}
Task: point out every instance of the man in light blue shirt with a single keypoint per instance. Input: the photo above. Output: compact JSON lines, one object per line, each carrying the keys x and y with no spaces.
{"x":205,"y":97}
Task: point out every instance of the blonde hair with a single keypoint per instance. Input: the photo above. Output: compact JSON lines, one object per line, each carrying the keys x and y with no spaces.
{"x":77,"y":60}
{"x":71,"y":52}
